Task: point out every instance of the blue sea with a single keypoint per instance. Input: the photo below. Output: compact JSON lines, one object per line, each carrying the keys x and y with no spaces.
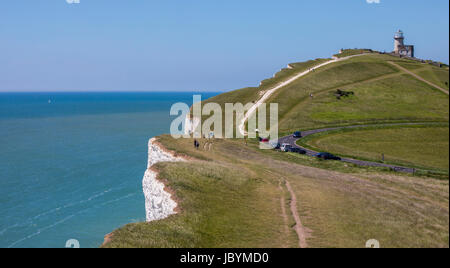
{"x":71,"y":164}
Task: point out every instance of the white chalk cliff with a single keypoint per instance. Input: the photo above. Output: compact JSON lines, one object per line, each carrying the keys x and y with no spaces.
{"x":158,"y":202}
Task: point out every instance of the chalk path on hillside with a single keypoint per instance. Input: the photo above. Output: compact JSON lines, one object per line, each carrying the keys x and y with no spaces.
{"x":301,"y":231}
{"x":299,"y":228}
{"x":270,"y":92}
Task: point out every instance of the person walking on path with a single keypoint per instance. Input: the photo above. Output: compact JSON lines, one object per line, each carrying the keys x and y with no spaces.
{"x":196,"y":144}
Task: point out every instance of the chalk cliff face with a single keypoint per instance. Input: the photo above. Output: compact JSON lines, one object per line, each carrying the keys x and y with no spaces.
{"x":158,"y":202}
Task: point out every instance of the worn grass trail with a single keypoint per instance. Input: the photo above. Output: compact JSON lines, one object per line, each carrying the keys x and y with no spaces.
{"x":231,"y":197}
{"x":232,"y":194}
{"x":299,"y":229}
{"x":271,"y":91}
{"x":283,"y":210}
{"x":293,"y":206}
{"x":418,"y":77}
{"x":305,"y":100}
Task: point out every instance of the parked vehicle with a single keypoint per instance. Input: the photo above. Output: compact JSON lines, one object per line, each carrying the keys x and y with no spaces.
{"x":275,"y":145}
{"x":297,"y":150}
{"x":285,"y":147}
{"x":265,"y":140}
{"x":327,"y":156}
{"x":297,"y":134}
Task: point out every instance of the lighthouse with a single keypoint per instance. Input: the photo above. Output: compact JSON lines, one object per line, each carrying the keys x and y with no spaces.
{"x":399,"y":42}
{"x":399,"y":45}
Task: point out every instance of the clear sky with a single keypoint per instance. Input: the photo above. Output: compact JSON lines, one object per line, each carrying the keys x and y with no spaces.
{"x":196,"y":45}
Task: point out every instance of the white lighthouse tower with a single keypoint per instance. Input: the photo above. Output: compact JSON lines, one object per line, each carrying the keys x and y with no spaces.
{"x":399,"y":42}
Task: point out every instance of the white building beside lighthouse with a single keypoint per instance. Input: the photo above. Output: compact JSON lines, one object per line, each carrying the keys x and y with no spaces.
{"x":399,"y":45}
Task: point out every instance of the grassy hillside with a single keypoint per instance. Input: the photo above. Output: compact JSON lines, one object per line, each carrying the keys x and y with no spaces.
{"x":392,"y":99}
{"x":435,"y":75}
{"x":413,"y":65}
{"x":422,"y":146}
{"x":231,"y":194}
{"x":431,"y":73}
{"x":352,"y":52}
{"x":252,"y":94}
{"x":382,"y":94}
{"x":235,"y":195}
{"x":219,"y":208}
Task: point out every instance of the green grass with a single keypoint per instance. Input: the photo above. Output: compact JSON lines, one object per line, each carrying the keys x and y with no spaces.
{"x":285,"y":74}
{"x":437,"y":76}
{"x":346,"y":211}
{"x":291,"y":97}
{"x":252,"y":94}
{"x":412,"y":65}
{"x":383,"y":94}
{"x":410,"y":146}
{"x":433,"y":74}
{"x":393,"y":99}
{"x":231,"y":198}
{"x":232,"y":195}
{"x":220,"y":208}
{"x":352,"y":52}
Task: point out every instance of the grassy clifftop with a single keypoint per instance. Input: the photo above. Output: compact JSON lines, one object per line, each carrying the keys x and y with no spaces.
{"x":252,"y":94}
{"x":235,"y":195}
{"x":352,"y":52}
{"x":383,"y":93}
{"x":231,"y":194}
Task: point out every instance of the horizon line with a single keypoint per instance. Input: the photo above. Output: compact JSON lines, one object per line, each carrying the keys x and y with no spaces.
{"x":113,"y":91}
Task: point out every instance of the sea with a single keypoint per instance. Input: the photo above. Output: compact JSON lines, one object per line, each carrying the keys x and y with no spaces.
{"x":71,"y":164}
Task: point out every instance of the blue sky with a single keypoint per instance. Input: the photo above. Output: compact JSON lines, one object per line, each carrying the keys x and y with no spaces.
{"x":196,"y":45}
